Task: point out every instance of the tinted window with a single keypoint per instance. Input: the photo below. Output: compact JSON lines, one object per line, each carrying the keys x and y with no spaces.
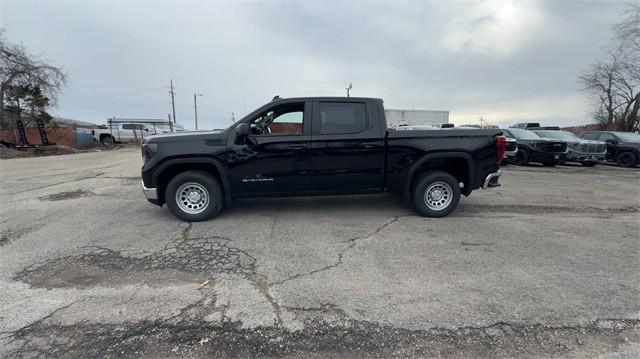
{"x":132,"y":126}
{"x":607,"y":137}
{"x":282,"y":120}
{"x":628,"y":136}
{"x":591,"y":136}
{"x":341,"y":117}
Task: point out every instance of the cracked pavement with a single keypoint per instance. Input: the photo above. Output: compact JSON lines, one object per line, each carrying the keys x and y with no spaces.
{"x":546,"y":265}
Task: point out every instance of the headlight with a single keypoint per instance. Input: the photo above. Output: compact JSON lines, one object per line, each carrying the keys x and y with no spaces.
{"x":148,"y":150}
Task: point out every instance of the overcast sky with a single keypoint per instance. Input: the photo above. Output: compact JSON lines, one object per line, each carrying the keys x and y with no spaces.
{"x":507,"y":61}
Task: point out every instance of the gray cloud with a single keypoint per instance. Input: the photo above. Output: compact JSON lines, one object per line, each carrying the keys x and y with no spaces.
{"x":505,"y":61}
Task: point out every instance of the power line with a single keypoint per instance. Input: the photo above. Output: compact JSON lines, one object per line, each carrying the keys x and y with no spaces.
{"x":172,"y":91}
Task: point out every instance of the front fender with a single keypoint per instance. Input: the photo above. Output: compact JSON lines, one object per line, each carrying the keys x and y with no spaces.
{"x":218,"y":165}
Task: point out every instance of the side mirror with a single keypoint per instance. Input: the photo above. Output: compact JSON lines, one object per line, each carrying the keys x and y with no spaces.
{"x":242,"y":130}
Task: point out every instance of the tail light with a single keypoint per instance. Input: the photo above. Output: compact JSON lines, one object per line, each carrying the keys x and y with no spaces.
{"x":501,"y":147}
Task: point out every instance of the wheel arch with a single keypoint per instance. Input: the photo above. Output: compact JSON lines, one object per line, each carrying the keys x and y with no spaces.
{"x":458,"y":164}
{"x":166,"y":170}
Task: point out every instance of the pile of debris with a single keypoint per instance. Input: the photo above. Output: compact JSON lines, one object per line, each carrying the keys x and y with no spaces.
{"x":7,"y":152}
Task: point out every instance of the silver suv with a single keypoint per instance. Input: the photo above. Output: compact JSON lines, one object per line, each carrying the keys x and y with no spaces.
{"x":587,"y":152}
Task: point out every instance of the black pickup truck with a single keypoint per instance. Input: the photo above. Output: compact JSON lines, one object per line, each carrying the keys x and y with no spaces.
{"x":318,"y":146}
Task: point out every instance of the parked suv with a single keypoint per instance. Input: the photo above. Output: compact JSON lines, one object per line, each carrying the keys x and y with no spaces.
{"x":533,"y":148}
{"x":587,"y":152}
{"x":622,"y":147}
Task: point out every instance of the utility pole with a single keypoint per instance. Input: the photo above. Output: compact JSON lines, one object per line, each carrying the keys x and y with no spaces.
{"x":195,"y":107}
{"x":348,"y":88}
{"x":481,"y":119}
{"x":172,"y":91}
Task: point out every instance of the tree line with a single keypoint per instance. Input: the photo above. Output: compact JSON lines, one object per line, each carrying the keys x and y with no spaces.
{"x":28,"y":85}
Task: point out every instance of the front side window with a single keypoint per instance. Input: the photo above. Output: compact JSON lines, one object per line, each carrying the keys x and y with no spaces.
{"x":341,"y":117}
{"x":282,"y":120}
{"x":591,"y":136}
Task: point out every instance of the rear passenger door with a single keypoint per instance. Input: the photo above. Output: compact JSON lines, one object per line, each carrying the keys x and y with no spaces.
{"x":347,"y":147}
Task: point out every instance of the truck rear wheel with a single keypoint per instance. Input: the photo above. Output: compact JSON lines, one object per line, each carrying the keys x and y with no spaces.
{"x":194,"y":196}
{"x":435,"y":194}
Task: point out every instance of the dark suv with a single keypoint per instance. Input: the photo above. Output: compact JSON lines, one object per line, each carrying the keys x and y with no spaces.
{"x":533,"y":148}
{"x":622,"y":147}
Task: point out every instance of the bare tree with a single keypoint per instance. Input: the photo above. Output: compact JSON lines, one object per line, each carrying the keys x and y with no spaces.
{"x":614,"y":83}
{"x":20,"y":68}
{"x":627,"y":34}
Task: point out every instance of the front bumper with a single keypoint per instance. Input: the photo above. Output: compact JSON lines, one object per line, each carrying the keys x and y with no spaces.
{"x":492,"y":180}
{"x":150,"y":193}
{"x":541,"y":156}
{"x":585,"y":157}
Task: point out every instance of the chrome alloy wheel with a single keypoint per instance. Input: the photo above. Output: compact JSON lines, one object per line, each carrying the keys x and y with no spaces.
{"x":438,"y":196}
{"x":192,"y":198}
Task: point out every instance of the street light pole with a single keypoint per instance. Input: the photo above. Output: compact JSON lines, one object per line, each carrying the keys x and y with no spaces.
{"x":195,"y":108}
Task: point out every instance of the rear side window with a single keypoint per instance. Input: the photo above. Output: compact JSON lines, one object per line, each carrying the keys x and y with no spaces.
{"x":132,"y":126}
{"x":607,"y":137}
{"x":341,"y":117}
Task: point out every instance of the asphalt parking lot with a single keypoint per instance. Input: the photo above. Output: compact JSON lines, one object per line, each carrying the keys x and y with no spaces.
{"x":546,"y":265}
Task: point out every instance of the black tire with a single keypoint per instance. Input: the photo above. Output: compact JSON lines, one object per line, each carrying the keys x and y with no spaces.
{"x":434,"y":181}
{"x":589,"y":164}
{"x":522,"y":157}
{"x":107,"y":140}
{"x":627,"y":159}
{"x":202,"y":184}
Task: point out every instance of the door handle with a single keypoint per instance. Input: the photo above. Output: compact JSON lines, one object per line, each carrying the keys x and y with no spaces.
{"x":297,"y":146}
{"x":368,"y":145}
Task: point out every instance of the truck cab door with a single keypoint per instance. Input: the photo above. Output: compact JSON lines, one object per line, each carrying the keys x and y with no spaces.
{"x":273,"y":159}
{"x":347,"y":147}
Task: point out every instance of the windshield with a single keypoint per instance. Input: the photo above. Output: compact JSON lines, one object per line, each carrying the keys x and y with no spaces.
{"x":628,"y":136}
{"x":521,"y":134}
{"x":560,"y":135}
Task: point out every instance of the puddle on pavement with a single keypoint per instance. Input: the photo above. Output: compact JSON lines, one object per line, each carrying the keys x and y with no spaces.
{"x":66,"y":195}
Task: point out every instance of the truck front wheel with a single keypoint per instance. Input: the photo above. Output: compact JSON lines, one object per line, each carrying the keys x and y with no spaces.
{"x":194,"y":196}
{"x":435,"y":194}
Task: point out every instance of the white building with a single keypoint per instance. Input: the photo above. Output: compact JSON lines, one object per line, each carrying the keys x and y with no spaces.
{"x":397,"y":118}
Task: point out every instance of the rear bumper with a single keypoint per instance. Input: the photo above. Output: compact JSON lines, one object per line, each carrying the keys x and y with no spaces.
{"x":492,"y":180}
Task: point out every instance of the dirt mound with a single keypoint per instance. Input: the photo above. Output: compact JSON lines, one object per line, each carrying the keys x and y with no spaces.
{"x":53,"y":150}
